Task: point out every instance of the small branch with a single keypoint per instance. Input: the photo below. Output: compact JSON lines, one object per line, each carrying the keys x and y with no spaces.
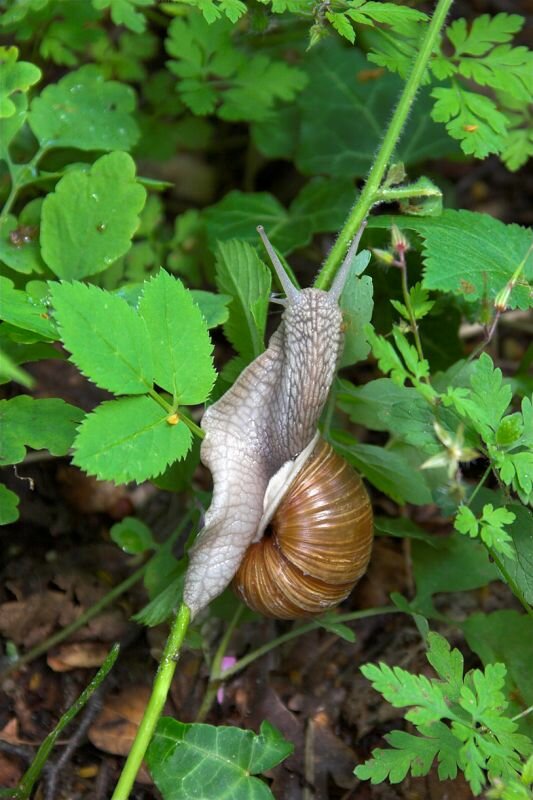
{"x":299,"y":631}
{"x":153,"y":710}
{"x":214,"y":677}
{"x":369,"y":194}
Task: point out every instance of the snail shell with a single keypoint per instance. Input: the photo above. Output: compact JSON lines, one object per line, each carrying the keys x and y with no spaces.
{"x":316,"y":546}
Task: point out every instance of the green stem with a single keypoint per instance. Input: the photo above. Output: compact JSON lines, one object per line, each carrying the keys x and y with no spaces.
{"x":160,"y":401}
{"x":409,"y":307}
{"x":193,"y":427}
{"x":299,"y":631}
{"x":214,"y":679}
{"x":160,"y":689}
{"x":181,"y":416}
{"x":18,"y":182}
{"x":24,"y":789}
{"x":510,"y":582}
{"x":479,"y":485}
{"x":371,"y":188}
{"x":78,"y":623}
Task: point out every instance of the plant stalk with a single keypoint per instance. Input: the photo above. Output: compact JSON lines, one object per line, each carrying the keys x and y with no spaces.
{"x":369,"y":194}
{"x":160,"y":689}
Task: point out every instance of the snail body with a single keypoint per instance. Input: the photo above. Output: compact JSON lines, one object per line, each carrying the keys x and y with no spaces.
{"x":316,"y":546}
{"x":260,"y":441}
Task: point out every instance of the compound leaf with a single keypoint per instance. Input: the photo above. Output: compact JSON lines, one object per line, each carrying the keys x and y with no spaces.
{"x":107,"y":339}
{"x":129,"y":439}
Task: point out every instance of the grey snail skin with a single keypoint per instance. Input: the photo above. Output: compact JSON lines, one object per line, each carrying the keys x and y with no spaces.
{"x":290,"y":522}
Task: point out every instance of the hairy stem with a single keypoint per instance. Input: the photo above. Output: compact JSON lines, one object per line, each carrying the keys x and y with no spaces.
{"x":160,"y":689}
{"x":370,"y":191}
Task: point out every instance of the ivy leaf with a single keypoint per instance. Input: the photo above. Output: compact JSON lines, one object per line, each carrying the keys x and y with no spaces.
{"x":89,"y":220}
{"x":8,"y":505}
{"x":129,"y":440}
{"x":181,"y":347}
{"x":48,"y":424}
{"x":15,"y":76}
{"x":452,"y":246}
{"x":211,"y":762}
{"x":86,"y":112}
{"x":107,"y":339}
{"x":241,"y":274}
{"x":124,"y":12}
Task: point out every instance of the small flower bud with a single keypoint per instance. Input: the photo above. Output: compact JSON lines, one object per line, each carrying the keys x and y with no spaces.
{"x":384,"y":256}
{"x":400,"y":242}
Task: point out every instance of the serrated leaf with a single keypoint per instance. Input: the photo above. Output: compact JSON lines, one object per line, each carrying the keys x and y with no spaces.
{"x":86,"y":112}
{"x":129,"y":440}
{"x":470,"y":254}
{"x":180,"y":343}
{"x":241,"y":274}
{"x":471,"y":118}
{"x":124,"y":12}
{"x":89,"y":220}
{"x":8,"y":505}
{"x":107,"y":339}
{"x":48,"y":424}
{"x":18,"y":308}
{"x":211,"y":762}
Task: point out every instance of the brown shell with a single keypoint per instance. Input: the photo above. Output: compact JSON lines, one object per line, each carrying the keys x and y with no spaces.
{"x":317,"y":545}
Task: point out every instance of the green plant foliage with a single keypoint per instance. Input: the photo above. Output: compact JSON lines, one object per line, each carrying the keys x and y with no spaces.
{"x":241,"y":274}
{"x":214,"y":762}
{"x":124,"y":12}
{"x":15,"y":76}
{"x":214,"y":9}
{"x":215,"y":76}
{"x":86,"y":112}
{"x":41,"y":424}
{"x":365,"y":12}
{"x":357,"y":306}
{"x":452,"y":243}
{"x":20,"y":309}
{"x":180,"y":344}
{"x":8,"y":505}
{"x":506,"y":636}
{"x":459,"y":719}
{"x":490,"y":528}
{"x":132,"y":536}
{"x":19,"y":240}
{"x":129,"y":439}
{"x":109,"y":199}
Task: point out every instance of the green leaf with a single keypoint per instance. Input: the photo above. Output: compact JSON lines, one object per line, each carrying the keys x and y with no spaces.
{"x":10,"y":371}
{"x":8,"y":505}
{"x":410,"y":753}
{"x":241,"y":274}
{"x":453,"y":564}
{"x":357,"y":305}
{"x":506,"y":636}
{"x":453,"y":243}
{"x":329,"y":623}
{"x":89,"y":220}
{"x":208,"y":762}
{"x":124,"y":12}
{"x":132,"y":536}
{"x":41,"y":424}
{"x":387,"y":471}
{"x":214,"y":307}
{"x":520,"y":565}
{"x":166,"y":601}
{"x":23,"y":311}
{"x":471,"y":118}
{"x":129,"y":440}
{"x":180,"y":343}
{"x":320,"y":207}
{"x":15,"y":76}
{"x":350,"y":101}
{"x":19,"y":240}
{"x":107,"y":339}
{"x":86,"y":112}
{"x":215,"y":76}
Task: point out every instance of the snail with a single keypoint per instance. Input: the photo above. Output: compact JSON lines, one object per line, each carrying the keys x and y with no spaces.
{"x":290,"y":521}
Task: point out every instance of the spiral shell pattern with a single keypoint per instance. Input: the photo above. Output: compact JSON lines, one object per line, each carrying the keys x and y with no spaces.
{"x":316,"y":547}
